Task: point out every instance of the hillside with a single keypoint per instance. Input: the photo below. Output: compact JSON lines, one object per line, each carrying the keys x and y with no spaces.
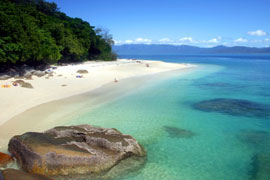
{"x":35,"y":32}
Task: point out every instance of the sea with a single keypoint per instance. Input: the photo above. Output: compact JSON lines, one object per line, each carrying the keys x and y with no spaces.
{"x":212,"y":123}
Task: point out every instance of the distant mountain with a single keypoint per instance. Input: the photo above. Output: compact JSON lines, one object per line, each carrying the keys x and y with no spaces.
{"x":163,"y":49}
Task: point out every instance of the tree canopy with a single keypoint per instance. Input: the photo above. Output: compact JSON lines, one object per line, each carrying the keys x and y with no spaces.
{"x":36,"y":32}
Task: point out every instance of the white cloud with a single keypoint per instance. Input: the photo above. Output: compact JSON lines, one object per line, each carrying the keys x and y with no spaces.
{"x":257,"y":33}
{"x":267,"y":40}
{"x":128,"y":41}
{"x":165,"y":40}
{"x":215,"y":40}
{"x":117,"y":42}
{"x":143,"y":41}
{"x":241,"y":40}
{"x":186,"y":39}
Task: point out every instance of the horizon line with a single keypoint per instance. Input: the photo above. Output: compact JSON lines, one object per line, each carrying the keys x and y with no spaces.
{"x":191,"y":45}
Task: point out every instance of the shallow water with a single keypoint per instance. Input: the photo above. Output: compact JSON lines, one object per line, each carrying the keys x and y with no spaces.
{"x":187,"y":143}
{"x":228,"y":137}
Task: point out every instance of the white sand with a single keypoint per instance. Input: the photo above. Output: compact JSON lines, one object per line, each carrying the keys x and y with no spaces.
{"x":16,"y":100}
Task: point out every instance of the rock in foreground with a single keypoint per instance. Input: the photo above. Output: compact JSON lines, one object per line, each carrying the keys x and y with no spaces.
{"x":13,"y":174}
{"x":82,"y":149}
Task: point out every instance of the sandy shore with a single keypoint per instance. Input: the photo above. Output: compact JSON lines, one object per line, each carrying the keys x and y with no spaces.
{"x":49,"y":96}
{"x":64,"y":83}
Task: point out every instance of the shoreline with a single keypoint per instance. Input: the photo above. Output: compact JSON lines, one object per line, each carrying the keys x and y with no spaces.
{"x":102,"y":91}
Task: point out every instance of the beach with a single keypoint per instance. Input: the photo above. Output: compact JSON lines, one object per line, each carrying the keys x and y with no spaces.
{"x":66,"y":82}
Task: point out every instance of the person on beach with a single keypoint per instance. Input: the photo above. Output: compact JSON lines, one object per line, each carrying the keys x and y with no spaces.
{"x":15,"y":84}
{"x":115,"y":80}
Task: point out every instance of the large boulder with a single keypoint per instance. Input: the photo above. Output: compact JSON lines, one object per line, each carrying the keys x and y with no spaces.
{"x":72,"y":150}
{"x":13,"y":174}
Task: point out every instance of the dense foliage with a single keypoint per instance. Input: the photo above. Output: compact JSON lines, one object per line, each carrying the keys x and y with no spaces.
{"x":36,"y":32}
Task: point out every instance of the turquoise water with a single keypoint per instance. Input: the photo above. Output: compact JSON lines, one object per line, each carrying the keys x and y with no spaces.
{"x":189,"y":143}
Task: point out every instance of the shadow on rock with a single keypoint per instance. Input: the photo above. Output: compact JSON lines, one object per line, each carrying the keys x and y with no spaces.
{"x":127,"y":167}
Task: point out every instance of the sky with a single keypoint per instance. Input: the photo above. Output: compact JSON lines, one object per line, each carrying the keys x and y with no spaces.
{"x":203,"y":23}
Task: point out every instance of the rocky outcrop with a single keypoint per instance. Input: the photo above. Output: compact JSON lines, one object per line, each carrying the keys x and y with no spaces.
{"x":5,"y":77}
{"x":24,"y":84}
{"x":13,"y":174}
{"x":82,"y":149}
{"x":82,"y":71}
{"x":5,"y":159}
{"x":39,"y":73}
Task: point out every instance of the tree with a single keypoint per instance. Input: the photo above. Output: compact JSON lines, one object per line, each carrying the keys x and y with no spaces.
{"x":36,"y":32}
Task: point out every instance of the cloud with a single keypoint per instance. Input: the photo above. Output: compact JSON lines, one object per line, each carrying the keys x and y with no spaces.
{"x":117,"y":42}
{"x":128,"y":41}
{"x":165,"y":40}
{"x":257,"y":33}
{"x":143,"y":41}
{"x":186,"y":39}
{"x":215,"y":40}
{"x":267,"y":40}
{"x":241,"y":40}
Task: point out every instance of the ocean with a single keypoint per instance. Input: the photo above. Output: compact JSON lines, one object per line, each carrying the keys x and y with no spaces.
{"x":210,"y":124}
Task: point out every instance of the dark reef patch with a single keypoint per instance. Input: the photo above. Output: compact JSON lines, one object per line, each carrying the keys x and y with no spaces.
{"x":235,"y":107}
{"x":176,"y":132}
{"x":260,"y":165}
{"x":220,"y":85}
{"x":260,"y":162}
{"x":254,"y":137}
{"x":217,"y":84}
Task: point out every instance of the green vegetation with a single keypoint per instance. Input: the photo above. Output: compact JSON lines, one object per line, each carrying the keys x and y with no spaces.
{"x":35,"y":32}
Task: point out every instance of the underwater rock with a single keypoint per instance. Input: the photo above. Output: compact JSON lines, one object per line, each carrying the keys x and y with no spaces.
{"x":220,"y":85}
{"x":217,"y":84}
{"x":235,"y":107}
{"x":254,"y":137}
{"x":260,"y":167}
{"x":13,"y":174}
{"x":73,"y":150}
{"x":176,"y":132}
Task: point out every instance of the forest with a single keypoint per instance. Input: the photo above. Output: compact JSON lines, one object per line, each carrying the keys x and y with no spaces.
{"x":35,"y":32}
